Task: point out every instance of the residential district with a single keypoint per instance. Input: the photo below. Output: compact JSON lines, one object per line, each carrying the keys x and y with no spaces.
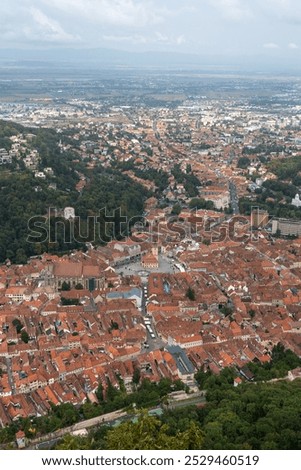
{"x":190,"y":288}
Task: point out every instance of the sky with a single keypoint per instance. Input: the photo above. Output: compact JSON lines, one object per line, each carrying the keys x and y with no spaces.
{"x":231,"y":28}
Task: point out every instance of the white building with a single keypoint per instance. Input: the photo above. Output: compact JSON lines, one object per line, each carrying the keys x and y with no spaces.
{"x":69,"y":213}
{"x":296,"y":201}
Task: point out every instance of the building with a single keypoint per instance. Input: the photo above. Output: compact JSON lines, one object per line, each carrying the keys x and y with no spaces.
{"x":286,"y":227}
{"x":20,"y":439}
{"x":133,"y":294}
{"x":150,"y":260}
{"x":185,"y":367}
{"x":90,"y":276}
{"x":69,"y":213}
{"x":296,"y":201}
{"x":259,"y":218}
{"x":18,"y":293}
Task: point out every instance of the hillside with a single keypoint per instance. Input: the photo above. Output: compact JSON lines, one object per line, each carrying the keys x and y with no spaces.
{"x":41,"y":175}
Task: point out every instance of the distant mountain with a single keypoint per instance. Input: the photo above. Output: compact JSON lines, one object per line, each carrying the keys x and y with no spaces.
{"x":101,"y":57}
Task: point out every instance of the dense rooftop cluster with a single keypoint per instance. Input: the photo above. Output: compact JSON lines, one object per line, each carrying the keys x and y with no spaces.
{"x":195,"y":286}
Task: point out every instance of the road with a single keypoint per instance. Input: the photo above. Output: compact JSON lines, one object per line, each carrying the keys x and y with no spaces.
{"x":10,"y":375}
{"x":233,"y":198}
{"x":108,"y":418}
{"x":111,"y":419}
{"x":152,"y":343}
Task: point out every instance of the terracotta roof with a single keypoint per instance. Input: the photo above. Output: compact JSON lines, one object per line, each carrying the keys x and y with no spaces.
{"x":67,"y":269}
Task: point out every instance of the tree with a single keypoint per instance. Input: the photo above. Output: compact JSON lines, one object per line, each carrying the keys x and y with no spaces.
{"x":17,"y":324}
{"x":136,"y":376}
{"x":90,"y":410}
{"x":65,"y":301}
{"x":243,"y":162}
{"x":65,"y":286}
{"x":149,"y":433}
{"x":200,"y":203}
{"x":21,"y":257}
{"x":252,"y":313}
{"x":192,"y":438}
{"x":176,"y":210}
{"x":114,"y":325}
{"x":99,"y":393}
{"x":70,"y":442}
{"x":226,"y":310}
{"x":67,"y":413}
{"x":24,"y":336}
{"x":190,"y":293}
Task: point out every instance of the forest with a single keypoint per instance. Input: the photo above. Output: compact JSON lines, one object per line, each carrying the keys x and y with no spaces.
{"x":25,"y":199}
{"x":287,"y":169}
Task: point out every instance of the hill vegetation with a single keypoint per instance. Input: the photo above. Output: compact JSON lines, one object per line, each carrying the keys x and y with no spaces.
{"x":250,"y":417}
{"x":23,"y":196}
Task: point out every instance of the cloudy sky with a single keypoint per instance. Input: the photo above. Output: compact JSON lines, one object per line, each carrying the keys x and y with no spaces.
{"x":211,"y":27}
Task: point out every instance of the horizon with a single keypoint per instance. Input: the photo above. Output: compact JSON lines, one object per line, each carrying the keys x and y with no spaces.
{"x":252,"y":35}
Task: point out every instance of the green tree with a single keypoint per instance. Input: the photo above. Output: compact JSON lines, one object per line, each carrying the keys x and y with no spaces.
{"x":70,"y":442}
{"x":24,"y":336}
{"x":17,"y":324}
{"x":190,"y":293}
{"x":252,"y":313}
{"x":99,"y":393}
{"x":136,"y":376}
{"x":243,"y":162}
{"x":65,"y":286}
{"x":149,"y":433}
{"x":200,"y":203}
{"x":176,"y":210}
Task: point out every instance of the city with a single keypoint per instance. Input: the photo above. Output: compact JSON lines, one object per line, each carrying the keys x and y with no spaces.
{"x":205,"y":276}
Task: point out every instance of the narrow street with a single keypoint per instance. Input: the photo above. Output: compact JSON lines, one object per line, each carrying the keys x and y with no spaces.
{"x":10,"y":375}
{"x":233,"y":198}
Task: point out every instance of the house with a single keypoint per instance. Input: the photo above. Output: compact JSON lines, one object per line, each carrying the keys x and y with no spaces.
{"x":294,"y":374}
{"x":17,"y":293}
{"x":237,"y":381}
{"x":185,"y":367}
{"x":132,"y":294}
{"x":246,"y":373}
{"x":150,"y":260}
{"x":20,"y":439}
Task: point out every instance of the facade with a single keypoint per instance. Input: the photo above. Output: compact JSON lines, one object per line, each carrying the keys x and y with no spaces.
{"x":20,"y":439}
{"x":296,"y":201}
{"x":286,"y":227}
{"x":259,"y":218}
{"x":150,"y":261}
